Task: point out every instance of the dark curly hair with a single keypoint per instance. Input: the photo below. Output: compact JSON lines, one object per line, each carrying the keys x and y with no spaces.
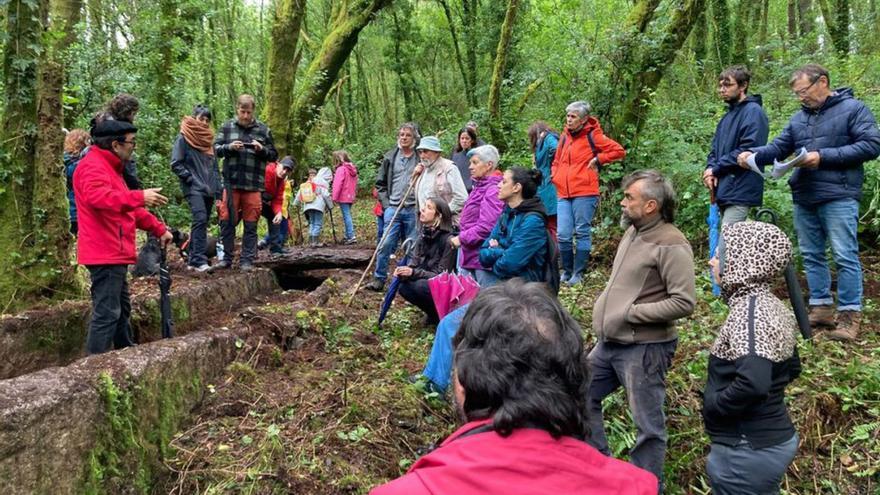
{"x":123,"y":107}
{"x":520,"y":358}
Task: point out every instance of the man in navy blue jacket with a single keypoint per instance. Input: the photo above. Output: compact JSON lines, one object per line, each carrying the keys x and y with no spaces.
{"x":744,"y":126}
{"x":840,"y":135}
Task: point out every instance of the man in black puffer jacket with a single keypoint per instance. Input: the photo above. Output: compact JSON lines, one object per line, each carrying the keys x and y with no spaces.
{"x":840,"y":135}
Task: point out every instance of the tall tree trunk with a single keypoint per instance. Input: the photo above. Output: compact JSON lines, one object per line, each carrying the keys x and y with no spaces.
{"x":841,"y":41}
{"x":500,"y":66}
{"x":17,"y":138}
{"x":350,"y":18}
{"x":634,"y":109}
{"x":837,"y":24}
{"x":741,"y":30}
{"x":400,"y":65}
{"x":281,"y":69}
{"x":698,"y":38}
{"x":470,"y":10}
{"x":762,"y":31}
{"x":466,"y":78}
{"x":52,"y":245}
{"x":721,"y":32}
{"x":806,"y":25}
{"x":792,"y":20}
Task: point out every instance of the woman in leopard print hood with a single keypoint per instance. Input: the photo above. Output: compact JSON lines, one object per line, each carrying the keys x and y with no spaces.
{"x":752,"y":360}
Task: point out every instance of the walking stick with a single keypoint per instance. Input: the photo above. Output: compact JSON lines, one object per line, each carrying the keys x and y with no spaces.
{"x":332,"y":225}
{"x":381,"y":242}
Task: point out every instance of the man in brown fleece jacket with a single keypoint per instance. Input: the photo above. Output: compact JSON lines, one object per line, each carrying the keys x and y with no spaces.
{"x":651,"y":285}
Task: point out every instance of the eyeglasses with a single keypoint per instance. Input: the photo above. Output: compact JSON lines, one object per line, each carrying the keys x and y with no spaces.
{"x":133,"y":143}
{"x":803,"y":91}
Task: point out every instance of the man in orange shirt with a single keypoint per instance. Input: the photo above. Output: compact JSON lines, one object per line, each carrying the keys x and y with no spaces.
{"x":583,"y":149}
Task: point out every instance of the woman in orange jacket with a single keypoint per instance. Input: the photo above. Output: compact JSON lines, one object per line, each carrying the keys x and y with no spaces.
{"x":583,"y":149}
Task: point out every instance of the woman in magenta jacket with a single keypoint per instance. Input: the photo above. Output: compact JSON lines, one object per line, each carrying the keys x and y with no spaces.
{"x":480,"y":211}
{"x":344,"y":190}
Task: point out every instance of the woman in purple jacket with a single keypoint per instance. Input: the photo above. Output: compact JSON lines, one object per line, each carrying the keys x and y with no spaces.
{"x":480,"y":212}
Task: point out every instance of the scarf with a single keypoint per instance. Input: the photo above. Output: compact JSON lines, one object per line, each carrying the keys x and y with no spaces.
{"x":198,"y":134}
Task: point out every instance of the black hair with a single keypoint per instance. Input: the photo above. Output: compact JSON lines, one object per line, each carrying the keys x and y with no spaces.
{"x":519,"y":356}
{"x":470,"y":132}
{"x":201,"y":110}
{"x":739,"y":73}
{"x":528,"y":178}
{"x":445,"y":212}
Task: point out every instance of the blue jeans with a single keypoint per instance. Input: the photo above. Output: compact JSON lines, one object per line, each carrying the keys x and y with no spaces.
{"x":742,"y":469}
{"x":346,"y":220}
{"x":574,"y":217}
{"x":406,"y":221}
{"x":484,"y":278}
{"x":837,"y":222}
{"x":200,"y":212}
{"x":641,"y":370}
{"x":380,"y":227}
{"x":438,"y":369}
{"x":316,"y":221}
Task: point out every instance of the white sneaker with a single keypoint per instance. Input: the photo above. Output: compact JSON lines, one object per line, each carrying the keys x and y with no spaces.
{"x":201,"y":268}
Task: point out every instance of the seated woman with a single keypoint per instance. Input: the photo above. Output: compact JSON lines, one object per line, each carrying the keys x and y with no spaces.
{"x":480,"y":212}
{"x":516,"y":247}
{"x":434,"y":254}
{"x":752,"y":360}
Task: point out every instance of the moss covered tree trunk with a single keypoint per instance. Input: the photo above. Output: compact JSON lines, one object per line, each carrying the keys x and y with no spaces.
{"x":496,"y":131}
{"x":721,"y":32}
{"x":633,"y":110}
{"x":281,"y":69}
{"x":836,"y":18}
{"x":33,"y":220}
{"x":466,"y":77}
{"x":349,"y":18}
{"x":49,"y":189}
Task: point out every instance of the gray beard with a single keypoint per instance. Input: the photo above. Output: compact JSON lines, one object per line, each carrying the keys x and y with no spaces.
{"x":625,"y":221}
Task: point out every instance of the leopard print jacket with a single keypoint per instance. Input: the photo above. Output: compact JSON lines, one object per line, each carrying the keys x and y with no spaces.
{"x":755,"y":252}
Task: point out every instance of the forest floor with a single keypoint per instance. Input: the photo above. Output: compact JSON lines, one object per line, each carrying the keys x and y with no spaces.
{"x":331,"y":410}
{"x":317,"y":400}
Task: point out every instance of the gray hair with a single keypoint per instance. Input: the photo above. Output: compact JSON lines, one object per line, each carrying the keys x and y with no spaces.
{"x":657,"y":187}
{"x":579,"y":107}
{"x":413,"y":127}
{"x":812,"y":72}
{"x":486,"y":153}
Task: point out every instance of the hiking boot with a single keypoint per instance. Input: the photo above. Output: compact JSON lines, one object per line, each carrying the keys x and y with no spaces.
{"x":848,"y":324}
{"x":246,"y":267}
{"x":425,"y":386}
{"x":348,"y":242}
{"x":223,"y":264}
{"x":574,"y":280}
{"x":822,"y":316}
{"x":376,"y":285}
{"x":201,"y":268}
{"x":262,"y":244}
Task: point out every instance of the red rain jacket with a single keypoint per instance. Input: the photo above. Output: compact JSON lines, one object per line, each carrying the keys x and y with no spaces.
{"x":275,"y":188}
{"x":529,"y":461}
{"x":108,"y":212}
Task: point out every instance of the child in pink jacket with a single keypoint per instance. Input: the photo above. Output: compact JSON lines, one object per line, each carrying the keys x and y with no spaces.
{"x":344,"y":190}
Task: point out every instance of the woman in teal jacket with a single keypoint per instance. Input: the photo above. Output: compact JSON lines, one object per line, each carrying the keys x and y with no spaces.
{"x":543,"y":141}
{"x":517,"y":246}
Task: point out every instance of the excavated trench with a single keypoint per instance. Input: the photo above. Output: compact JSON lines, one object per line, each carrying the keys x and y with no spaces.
{"x":128,"y":403}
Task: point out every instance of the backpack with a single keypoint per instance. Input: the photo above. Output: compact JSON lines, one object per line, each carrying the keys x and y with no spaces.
{"x":307,"y":192}
{"x":550,"y":273}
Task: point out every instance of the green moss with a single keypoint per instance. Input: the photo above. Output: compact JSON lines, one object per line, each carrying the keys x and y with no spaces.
{"x":139,"y":423}
{"x":63,"y":339}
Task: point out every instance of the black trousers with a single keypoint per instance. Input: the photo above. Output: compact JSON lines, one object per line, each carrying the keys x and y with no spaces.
{"x":111,"y":308}
{"x":417,"y":292}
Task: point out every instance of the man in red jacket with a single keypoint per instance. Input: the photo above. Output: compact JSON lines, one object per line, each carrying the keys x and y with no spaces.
{"x":583,"y":149}
{"x":520,"y":382}
{"x":108,"y":214}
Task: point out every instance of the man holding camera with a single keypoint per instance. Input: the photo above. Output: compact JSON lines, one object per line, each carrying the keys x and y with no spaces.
{"x":246,"y":146}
